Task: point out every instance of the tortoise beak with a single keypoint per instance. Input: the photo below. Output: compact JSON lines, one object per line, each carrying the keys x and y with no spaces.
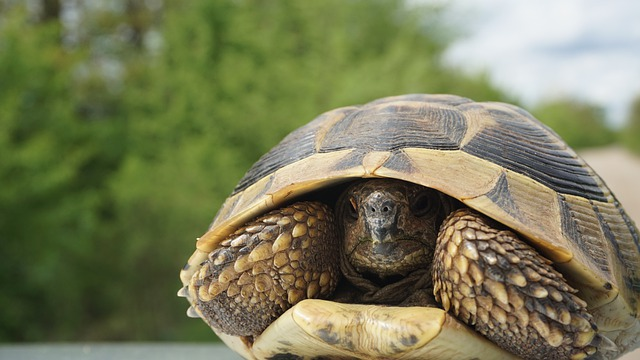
{"x":381,"y":214}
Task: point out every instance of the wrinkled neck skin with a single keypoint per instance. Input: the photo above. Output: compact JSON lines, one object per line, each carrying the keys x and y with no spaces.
{"x":389,"y":230}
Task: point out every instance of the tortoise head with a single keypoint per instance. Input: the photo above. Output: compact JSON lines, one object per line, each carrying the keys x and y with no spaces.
{"x":389,"y":226}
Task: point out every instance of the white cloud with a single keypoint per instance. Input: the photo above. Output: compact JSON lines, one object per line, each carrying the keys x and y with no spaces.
{"x":589,"y":49}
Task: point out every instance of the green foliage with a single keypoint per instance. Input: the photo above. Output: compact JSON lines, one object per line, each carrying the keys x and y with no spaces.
{"x":630,"y":134}
{"x":117,"y":152}
{"x":52,"y":171}
{"x":580,"y":124}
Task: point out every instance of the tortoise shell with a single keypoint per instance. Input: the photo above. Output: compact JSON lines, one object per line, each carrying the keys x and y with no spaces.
{"x":493,"y":157}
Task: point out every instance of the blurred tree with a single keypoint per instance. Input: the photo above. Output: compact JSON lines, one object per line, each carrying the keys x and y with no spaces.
{"x":580,"y":124}
{"x":630,"y":134}
{"x":61,"y":140}
{"x":50,"y":10}
{"x":48,"y":204}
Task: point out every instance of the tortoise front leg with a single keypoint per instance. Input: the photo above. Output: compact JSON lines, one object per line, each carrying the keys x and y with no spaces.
{"x":503,"y":288}
{"x":266,"y":267}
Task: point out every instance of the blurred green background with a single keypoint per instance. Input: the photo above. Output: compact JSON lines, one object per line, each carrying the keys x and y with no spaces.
{"x":125,"y":124}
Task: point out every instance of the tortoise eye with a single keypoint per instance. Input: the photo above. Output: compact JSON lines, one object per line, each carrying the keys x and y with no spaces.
{"x":422,"y":204}
{"x":352,"y":208}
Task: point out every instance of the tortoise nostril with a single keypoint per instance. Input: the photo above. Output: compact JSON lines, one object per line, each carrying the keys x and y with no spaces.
{"x":380,"y":204}
{"x":384,"y":209}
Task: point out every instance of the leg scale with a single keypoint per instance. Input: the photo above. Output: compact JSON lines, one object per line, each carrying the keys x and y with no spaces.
{"x":501,"y":286}
{"x":267,"y":266}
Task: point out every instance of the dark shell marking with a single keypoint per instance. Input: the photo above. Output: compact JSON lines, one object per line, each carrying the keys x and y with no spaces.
{"x":516,"y":141}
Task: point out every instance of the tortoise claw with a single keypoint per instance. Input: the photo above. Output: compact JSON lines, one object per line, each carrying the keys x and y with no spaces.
{"x":183,"y":292}
{"x":193,"y":313}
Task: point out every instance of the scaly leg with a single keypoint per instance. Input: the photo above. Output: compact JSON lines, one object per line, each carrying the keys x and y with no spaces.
{"x":502,"y":287}
{"x":266,"y":267}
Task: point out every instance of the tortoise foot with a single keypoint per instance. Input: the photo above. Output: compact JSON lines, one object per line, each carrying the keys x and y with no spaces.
{"x":499,"y":285}
{"x":265,"y":267}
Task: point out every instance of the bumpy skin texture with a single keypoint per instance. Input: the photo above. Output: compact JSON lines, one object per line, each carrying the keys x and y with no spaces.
{"x":388,"y":230}
{"x":389,"y":226}
{"x":394,"y":251}
{"x":267,"y":266}
{"x":502,"y":287}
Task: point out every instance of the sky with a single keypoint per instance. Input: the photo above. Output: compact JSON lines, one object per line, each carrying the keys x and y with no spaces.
{"x":542,"y":49}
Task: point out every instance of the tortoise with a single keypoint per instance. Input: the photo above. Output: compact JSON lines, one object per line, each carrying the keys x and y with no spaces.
{"x":420,"y":226}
